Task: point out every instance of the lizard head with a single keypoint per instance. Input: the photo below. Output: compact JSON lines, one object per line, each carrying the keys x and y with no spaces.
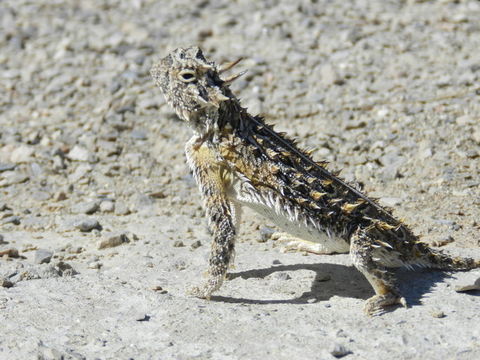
{"x":191,"y":84}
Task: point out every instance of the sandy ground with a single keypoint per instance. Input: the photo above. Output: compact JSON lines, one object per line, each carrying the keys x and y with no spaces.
{"x":101,"y":226}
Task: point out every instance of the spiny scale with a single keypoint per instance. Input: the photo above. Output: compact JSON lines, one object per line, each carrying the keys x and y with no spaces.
{"x":238,"y":160}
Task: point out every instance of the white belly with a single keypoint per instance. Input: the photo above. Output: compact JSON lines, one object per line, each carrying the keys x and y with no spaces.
{"x":292,"y":222}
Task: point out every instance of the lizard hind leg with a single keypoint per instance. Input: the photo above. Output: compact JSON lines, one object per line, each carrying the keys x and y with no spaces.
{"x":381,"y":279}
{"x":295,"y":244}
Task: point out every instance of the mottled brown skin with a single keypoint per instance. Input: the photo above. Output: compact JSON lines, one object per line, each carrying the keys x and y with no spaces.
{"x":238,"y":160}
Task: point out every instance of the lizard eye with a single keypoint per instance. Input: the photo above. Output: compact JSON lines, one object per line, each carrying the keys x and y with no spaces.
{"x":187,"y":76}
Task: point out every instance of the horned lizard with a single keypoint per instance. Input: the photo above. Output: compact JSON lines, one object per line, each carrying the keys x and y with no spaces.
{"x":238,"y":160}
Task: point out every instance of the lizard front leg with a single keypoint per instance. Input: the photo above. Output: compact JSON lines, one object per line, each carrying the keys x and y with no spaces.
{"x":208,"y":172}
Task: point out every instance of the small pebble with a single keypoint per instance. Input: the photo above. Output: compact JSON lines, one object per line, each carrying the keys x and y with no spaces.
{"x":87,"y":225}
{"x":196,"y":244}
{"x":7,"y":167}
{"x":112,"y":240}
{"x":438,"y":314}
{"x":178,"y":243}
{"x":159,"y":289}
{"x":15,"y":220}
{"x":121,"y":209}
{"x":107,"y":206}
{"x":5,"y":283}
{"x":339,"y":351}
{"x":465,"y":120}
{"x":78,"y":153}
{"x":265,"y":234}
{"x":144,"y":318}
{"x":95,"y":265}
{"x":390,"y":201}
{"x":444,"y":241}
{"x":43,"y":256}
{"x":60,"y":196}
{"x":88,"y":207}
{"x":11,"y":253}
{"x":472,"y":287}
{"x":323,"y":277}
{"x":22,"y":154}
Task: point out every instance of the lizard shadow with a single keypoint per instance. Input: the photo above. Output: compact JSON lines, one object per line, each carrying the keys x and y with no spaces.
{"x":339,"y":280}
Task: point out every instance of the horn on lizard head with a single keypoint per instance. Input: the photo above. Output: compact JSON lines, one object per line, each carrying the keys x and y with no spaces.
{"x":227,"y":66}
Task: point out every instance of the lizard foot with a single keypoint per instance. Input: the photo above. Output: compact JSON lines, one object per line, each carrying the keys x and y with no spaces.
{"x":380,"y":304}
{"x":205,"y":290}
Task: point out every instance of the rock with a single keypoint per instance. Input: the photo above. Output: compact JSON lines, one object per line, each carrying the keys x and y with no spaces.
{"x":11,"y":253}
{"x":112,"y":240}
{"x":143,"y":318}
{"x":438,"y":314}
{"x":339,"y":351}
{"x":87,"y":225}
{"x":143,"y":202}
{"x":79,"y":173}
{"x":11,"y":178}
{"x":475,"y":136}
{"x":390,"y":201}
{"x":158,"y":195}
{"x":160,"y":289}
{"x":323,"y":277}
{"x":43,"y":256}
{"x":265,"y":234}
{"x":444,"y":222}
{"x":75,"y":249}
{"x":60,"y":196}
{"x":88,"y":207}
{"x":48,"y":353}
{"x":2,"y":239}
{"x":22,"y":154}
{"x":65,"y":269}
{"x":328,"y":75}
{"x":121,"y":208}
{"x":36,"y":169}
{"x":78,"y":153}
{"x":178,"y":243}
{"x":472,"y":287}
{"x":41,"y":195}
{"x":7,"y":167}
{"x":95,"y":265}
{"x":107,"y":206}
{"x":5,"y":283}
{"x":444,"y":241}
{"x":465,"y":120}
{"x":196,"y":244}
{"x":15,"y":220}
{"x":138,"y":134}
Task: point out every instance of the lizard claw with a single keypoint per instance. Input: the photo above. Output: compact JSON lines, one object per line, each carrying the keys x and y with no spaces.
{"x":200,"y":292}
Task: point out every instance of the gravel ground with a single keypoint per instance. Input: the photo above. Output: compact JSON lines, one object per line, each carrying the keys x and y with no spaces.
{"x":101,"y":227}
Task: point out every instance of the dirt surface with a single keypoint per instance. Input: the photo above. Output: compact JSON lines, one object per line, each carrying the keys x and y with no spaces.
{"x":101,"y":226}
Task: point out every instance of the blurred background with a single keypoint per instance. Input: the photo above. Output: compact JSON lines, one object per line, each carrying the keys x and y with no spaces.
{"x":387,"y":90}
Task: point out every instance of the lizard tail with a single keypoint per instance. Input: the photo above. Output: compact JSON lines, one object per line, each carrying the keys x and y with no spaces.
{"x":439,"y":260}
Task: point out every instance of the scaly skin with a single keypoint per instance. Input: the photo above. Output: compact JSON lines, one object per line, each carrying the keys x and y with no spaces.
{"x":238,"y":160}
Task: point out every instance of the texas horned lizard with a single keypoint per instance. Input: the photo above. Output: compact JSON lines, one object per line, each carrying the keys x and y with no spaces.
{"x":239,"y":160}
